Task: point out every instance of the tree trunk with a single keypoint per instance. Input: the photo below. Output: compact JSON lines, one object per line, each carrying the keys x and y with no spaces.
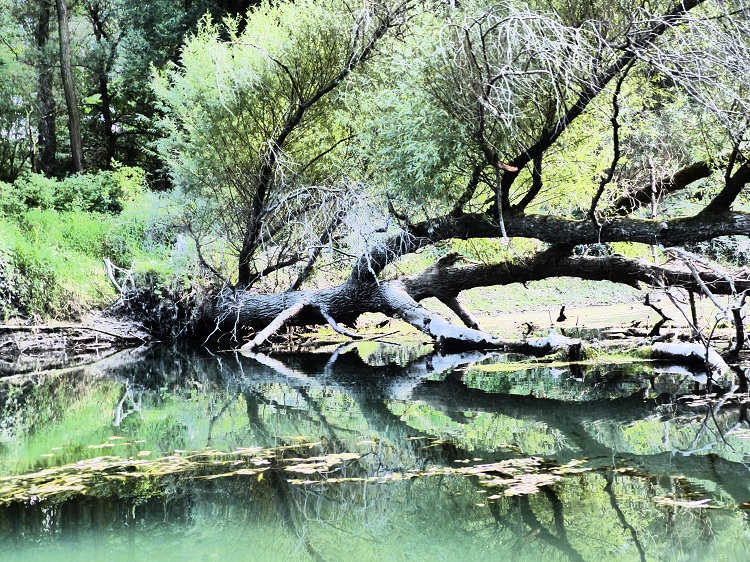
{"x":66,"y":65}
{"x":104,"y":66}
{"x":47,"y":141}
{"x":400,"y":298}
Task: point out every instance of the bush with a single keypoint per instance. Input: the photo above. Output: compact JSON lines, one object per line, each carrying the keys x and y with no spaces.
{"x":103,"y":192}
{"x":55,"y":234}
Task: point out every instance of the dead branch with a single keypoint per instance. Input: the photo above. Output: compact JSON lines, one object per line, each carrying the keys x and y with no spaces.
{"x":274,"y":326}
{"x":338,"y":328}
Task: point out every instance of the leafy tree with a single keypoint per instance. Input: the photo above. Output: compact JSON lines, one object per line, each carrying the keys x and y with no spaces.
{"x":110,"y":50}
{"x":250,"y":124}
{"x":16,"y":105}
{"x":547,"y":121}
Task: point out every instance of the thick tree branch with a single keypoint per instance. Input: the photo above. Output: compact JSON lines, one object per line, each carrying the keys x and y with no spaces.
{"x":732,"y":188}
{"x":643,"y":196}
{"x":464,"y":314}
{"x":551,"y":229}
{"x":338,"y":328}
{"x":274,"y":326}
{"x":471,"y":188}
{"x":399,"y":303}
{"x":436,"y":282}
{"x":536,"y":184}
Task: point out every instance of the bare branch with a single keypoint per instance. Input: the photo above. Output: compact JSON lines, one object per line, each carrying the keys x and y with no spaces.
{"x":340,"y":329}
{"x":274,"y":326}
{"x":324,"y":238}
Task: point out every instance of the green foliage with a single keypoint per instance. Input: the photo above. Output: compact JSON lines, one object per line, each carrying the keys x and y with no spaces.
{"x":732,"y":250}
{"x":16,"y":97}
{"x":54,"y":235}
{"x":252,"y":129}
{"x":226,"y":100}
{"x":103,"y":192}
{"x":49,"y":264}
{"x":421,"y":152}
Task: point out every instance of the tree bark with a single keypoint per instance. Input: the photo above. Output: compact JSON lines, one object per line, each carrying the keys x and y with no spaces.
{"x":68,"y":81}
{"x":47,"y":140}
{"x":551,"y":229}
{"x":644,"y":196}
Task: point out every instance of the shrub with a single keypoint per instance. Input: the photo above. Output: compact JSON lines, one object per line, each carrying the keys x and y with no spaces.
{"x":103,"y":192}
{"x":54,"y":234}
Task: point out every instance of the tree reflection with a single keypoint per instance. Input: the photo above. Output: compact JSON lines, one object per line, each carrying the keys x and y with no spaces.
{"x":405,"y":416}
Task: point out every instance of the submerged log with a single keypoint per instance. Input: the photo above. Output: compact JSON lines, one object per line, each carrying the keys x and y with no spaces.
{"x":692,"y":353}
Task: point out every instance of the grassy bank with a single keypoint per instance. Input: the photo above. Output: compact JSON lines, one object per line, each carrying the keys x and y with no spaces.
{"x":55,"y":234}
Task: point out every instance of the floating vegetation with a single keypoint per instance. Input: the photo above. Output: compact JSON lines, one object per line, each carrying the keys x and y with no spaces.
{"x":299,"y":464}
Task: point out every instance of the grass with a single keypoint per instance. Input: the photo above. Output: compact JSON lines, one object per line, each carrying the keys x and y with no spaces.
{"x":51,"y":261}
{"x":549,"y":293}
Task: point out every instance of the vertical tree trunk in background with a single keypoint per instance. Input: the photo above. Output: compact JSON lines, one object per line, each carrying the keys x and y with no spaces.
{"x":110,"y":138}
{"x":47,"y":142}
{"x":103,"y":68}
{"x":74,"y":120}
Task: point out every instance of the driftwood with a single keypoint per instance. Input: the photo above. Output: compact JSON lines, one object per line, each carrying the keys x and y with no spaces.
{"x":25,"y":348}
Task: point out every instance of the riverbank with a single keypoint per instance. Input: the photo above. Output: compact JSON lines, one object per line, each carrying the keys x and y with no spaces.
{"x":28,"y":347}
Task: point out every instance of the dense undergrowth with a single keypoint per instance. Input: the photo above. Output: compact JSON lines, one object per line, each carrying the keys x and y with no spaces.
{"x":54,"y":235}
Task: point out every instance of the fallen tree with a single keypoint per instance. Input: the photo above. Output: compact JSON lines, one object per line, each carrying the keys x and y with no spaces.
{"x":515,"y":114}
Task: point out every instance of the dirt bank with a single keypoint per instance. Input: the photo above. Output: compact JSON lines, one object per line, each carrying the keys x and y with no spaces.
{"x":28,"y":346}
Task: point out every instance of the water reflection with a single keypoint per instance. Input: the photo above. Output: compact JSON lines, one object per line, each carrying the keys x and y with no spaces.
{"x":634,"y":461}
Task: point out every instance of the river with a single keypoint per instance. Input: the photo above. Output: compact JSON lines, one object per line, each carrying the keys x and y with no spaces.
{"x":371,"y":452}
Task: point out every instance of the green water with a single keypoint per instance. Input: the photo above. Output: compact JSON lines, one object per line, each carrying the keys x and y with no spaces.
{"x":617,"y":462}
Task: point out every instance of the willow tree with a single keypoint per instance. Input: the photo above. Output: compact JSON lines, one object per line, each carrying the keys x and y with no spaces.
{"x":379,"y":130}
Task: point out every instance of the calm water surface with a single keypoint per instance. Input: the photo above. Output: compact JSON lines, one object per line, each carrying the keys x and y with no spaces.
{"x":373,"y":452}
